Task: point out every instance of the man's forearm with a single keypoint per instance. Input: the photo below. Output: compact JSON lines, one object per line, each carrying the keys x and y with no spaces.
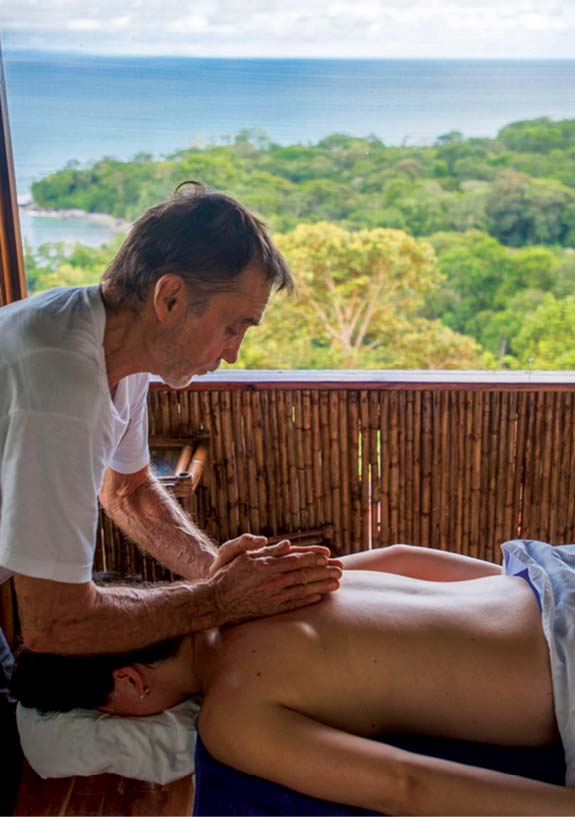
{"x":153,"y":519}
{"x":259,"y":581}
{"x":84,"y":618}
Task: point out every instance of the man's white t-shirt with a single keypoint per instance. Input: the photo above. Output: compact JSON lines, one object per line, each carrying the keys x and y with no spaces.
{"x":60,"y":430}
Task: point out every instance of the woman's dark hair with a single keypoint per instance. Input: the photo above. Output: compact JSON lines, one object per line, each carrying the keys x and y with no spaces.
{"x":206,"y":238}
{"x":58,"y":683}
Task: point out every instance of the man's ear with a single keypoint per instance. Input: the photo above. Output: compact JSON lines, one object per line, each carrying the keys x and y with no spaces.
{"x":170,"y":298}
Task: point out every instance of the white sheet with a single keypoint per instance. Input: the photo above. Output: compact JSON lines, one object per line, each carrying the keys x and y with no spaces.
{"x":552,"y":572}
{"x":158,"y":748}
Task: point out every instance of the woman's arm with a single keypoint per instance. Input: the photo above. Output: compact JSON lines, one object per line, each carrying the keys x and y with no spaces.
{"x":293,"y":750}
{"x":421,"y":563}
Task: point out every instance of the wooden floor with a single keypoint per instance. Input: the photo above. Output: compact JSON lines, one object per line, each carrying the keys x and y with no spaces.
{"x":104,"y":794}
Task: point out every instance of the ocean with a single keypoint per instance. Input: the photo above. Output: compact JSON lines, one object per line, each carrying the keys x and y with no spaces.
{"x":68,"y":108}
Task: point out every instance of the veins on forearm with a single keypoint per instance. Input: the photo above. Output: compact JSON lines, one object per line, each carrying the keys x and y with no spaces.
{"x":153,"y":519}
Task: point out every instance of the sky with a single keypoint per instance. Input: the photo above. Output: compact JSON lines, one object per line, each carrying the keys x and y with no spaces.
{"x":294,"y":28}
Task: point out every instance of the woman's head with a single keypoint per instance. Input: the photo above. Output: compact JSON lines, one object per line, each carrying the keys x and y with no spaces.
{"x":139,"y":682}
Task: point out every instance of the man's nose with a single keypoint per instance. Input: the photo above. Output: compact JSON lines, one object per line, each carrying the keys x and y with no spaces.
{"x":230,"y":355}
{"x":231,"y":351}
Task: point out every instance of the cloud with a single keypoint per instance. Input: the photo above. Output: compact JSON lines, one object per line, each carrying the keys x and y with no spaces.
{"x":300,"y":27}
{"x":84,"y":24}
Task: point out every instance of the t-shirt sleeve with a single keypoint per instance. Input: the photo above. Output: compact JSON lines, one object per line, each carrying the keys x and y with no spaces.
{"x":50,"y":475}
{"x":132,"y":452}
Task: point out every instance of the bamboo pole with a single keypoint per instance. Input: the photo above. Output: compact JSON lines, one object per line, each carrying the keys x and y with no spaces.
{"x":477,"y":537}
{"x":300,"y":460}
{"x":292,"y":456}
{"x":459,"y":405}
{"x":426,"y":468}
{"x":229,"y":465}
{"x":324,"y":430}
{"x":467,"y":471}
{"x":218,"y":465}
{"x":271,"y":453}
{"x":183,"y":463}
{"x":511,"y":467}
{"x":280,"y":421}
{"x":344,"y":471}
{"x":394,"y":476}
{"x":176,"y":403}
{"x":446,"y":496}
{"x":308,"y":463}
{"x":375,"y":471}
{"x":549,"y":452}
{"x":248,"y":416}
{"x":503,"y":432}
{"x":570,"y":459}
{"x":150,"y":405}
{"x":165,"y":413}
{"x":494,"y":425}
{"x":241,"y":461}
{"x":202,"y":414}
{"x":559,"y":476}
{"x":365,"y":508}
{"x":519,"y":472}
{"x":527,"y":481}
{"x":414,"y":464}
{"x":536,"y":525}
{"x":494,"y":400}
{"x":187,"y":425}
{"x":402,"y":504}
{"x":556,"y":467}
{"x":387,"y":534}
{"x":336,"y":487}
{"x":318,"y":464}
{"x":196,"y":415}
{"x":260,"y":464}
{"x":355,"y":455}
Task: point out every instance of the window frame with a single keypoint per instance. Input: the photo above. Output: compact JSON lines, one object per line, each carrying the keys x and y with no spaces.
{"x":12,"y":272}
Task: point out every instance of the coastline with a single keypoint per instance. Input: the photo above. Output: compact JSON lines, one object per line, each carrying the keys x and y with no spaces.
{"x":103,"y":219}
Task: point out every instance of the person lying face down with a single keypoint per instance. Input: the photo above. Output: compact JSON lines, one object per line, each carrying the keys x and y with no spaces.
{"x":455,"y":649}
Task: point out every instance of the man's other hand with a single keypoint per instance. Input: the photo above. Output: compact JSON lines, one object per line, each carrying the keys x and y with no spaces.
{"x":251,"y":580}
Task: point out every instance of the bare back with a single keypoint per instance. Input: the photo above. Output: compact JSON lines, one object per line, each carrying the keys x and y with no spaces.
{"x":389,"y":653}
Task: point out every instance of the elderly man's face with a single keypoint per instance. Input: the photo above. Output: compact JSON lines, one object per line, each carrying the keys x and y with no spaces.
{"x":199,"y":344}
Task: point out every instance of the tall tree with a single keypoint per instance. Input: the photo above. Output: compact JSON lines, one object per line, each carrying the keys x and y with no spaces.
{"x":358,"y":304}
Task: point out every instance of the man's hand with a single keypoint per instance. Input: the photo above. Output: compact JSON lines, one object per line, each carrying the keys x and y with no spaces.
{"x":250,"y":580}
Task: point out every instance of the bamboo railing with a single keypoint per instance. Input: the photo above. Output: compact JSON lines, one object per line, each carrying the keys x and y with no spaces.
{"x":456,"y":461}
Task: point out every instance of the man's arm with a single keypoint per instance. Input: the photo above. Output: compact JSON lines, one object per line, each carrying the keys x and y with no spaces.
{"x":246,"y":583}
{"x":421,"y":563}
{"x":293,"y":750}
{"x":139,"y":504}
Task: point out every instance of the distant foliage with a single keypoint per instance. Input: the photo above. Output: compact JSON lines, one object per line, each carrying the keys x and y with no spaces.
{"x":57,"y":264}
{"x":457,"y":255}
{"x":519,"y":187}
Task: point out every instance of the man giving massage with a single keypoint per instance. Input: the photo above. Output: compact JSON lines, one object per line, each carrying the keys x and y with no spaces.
{"x":453,"y":648}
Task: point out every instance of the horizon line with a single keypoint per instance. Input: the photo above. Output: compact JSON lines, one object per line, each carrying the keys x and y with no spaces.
{"x":6,"y":51}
